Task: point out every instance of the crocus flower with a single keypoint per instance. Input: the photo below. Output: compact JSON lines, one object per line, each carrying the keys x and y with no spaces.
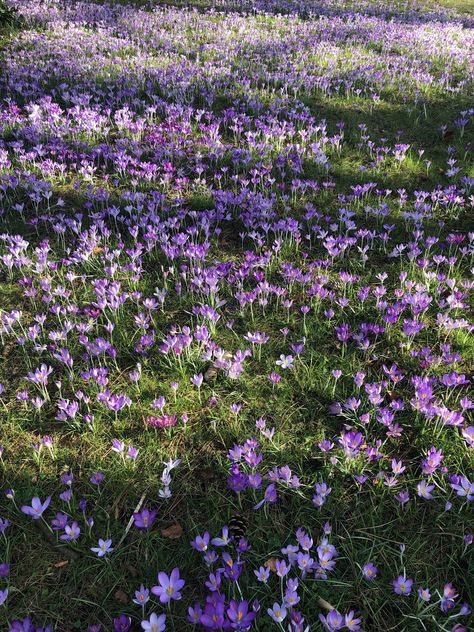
{"x":277,"y":612}
{"x":201,"y":542}
{"x":71,"y":532}
{"x":282,"y":568}
{"x":144,"y":519}
{"x":122,"y":623}
{"x":424,"y":490}
{"x":464,"y":488}
{"x":132,"y":453}
{"x":169,"y":587}
{"x":449,"y":595}
{"x":197,"y":380}
{"x":97,"y":478}
{"x":37,"y":507}
{"x":424,"y":594}
{"x":403,"y":496}
{"x":213,"y":616}
{"x":262,"y":574}
{"x":285,"y":362}
{"x":118,"y":446}
{"x":269,"y":497}
{"x":402,"y":585}
{"x":333,"y":621}
{"x":194,"y":614}
{"x":3,"y":596}
{"x":155,"y":623}
{"x":222,"y":541}
{"x":105,"y":546}
{"x":142,"y":596}
{"x":60,"y":521}
{"x":239,"y":615}
{"x":351,"y":622}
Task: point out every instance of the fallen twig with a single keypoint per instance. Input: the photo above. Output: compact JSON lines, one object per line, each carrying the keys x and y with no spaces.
{"x":130,"y":522}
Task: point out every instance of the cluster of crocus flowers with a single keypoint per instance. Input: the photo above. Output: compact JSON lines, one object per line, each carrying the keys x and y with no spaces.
{"x":227,"y":251}
{"x":164,"y":421}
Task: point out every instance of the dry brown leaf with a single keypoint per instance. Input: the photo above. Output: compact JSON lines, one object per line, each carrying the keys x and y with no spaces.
{"x":393,"y":395}
{"x":271,"y":564}
{"x":121,"y":596}
{"x":172,"y":532}
{"x":61,"y":564}
{"x":132,"y":570}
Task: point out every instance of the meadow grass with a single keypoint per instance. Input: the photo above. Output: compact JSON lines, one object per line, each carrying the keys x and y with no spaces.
{"x":63,"y":583}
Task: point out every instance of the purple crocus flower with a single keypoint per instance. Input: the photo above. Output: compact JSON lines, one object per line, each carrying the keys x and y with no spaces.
{"x":22,"y":626}
{"x":132,"y":453}
{"x":351,"y":622}
{"x":104,"y":547}
{"x":194,"y":614}
{"x":37,"y":508}
{"x":333,"y":621}
{"x":60,"y":521}
{"x":282,"y":568}
{"x":270,"y":496}
{"x":424,"y":594}
{"x":222,"y":541}
{"x":424,"y":490}
{"x":71,"y":532}
{"x":239,"y":615}
{"x":262,"y":574}
{"x":402,"y":585}
{"x":277,"y":612}
{"x":464,"y":488}
{"x":213,"y":617}
{"x":201,"y":542}
{"x":285,"y":362}
{"x":197,"y":380}
{"x":155,"y":623}
{"x":144,"y":518}
{"x":369,"y":571}
{"x":122,"y":623}
{"x":118,"y":446}
{"x":97,"y":478}
{"x":142,"y":596}
{"x":169,"y":587}
{"x":448,"y":600}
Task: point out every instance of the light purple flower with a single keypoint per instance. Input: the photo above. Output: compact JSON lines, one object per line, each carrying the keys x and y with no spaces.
{"x":277,"y":612}
{"x":37,"y":507}
{"x":402,"y":585}
{"x":169,"y":586}
{"x":104,"y":547}
{"x":155,"y":623}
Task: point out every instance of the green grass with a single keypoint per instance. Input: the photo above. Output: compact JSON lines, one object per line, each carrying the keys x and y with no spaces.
{"x":463,"y":6}
{"x":71,"y":592}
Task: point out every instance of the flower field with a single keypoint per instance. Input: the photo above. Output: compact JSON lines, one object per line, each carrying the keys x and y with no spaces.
{"x":236,"y":316}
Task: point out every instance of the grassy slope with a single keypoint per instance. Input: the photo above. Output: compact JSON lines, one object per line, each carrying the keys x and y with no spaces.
{"x":89,"y":590}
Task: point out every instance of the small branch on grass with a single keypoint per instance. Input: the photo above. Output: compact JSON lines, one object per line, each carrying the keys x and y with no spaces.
{"x":322,"y":603}
{"x":130,"y":522}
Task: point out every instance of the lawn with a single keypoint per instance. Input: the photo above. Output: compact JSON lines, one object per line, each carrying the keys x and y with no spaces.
{"x":236,"y":301}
